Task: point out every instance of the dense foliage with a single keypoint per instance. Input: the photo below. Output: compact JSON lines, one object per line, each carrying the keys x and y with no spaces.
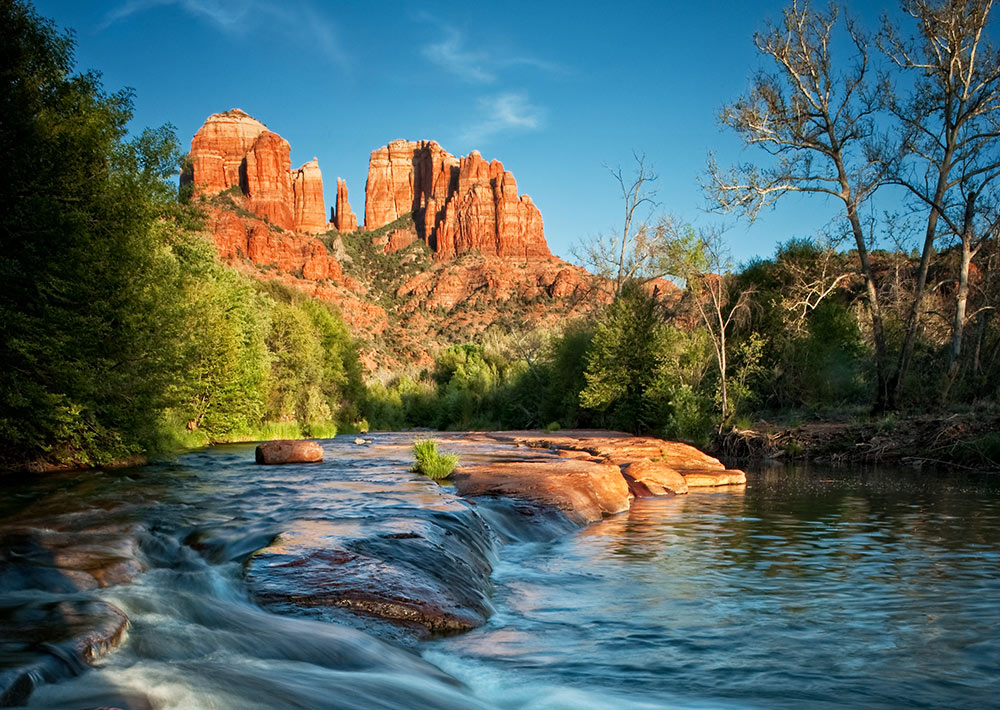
{"x":119,"y":327}
{"x":123,"y":334}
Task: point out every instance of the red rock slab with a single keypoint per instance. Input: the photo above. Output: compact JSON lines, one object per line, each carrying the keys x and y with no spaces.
{"x":288,"y":451}
{"x":585,"y":491}
{"x":622,"y":449}
{"x":708,"y":478}
{"x":428,"y":575}
{"x":650,"y":478}
{"x":51,"y":641}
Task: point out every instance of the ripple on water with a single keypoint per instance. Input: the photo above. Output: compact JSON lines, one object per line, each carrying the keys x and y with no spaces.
{"x":840,"y":589}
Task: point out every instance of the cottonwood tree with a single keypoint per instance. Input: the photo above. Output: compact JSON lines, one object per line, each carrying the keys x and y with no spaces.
{"x":640,"y":251}
{"x":950,"y":121}
{"x":704,"y":263}
{"x":816,"y":121}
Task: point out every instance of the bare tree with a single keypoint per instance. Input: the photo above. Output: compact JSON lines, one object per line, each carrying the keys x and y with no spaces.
{"x":810,"y":280}
{"x":818,"y":126}
{"x":705,"y":264}
{"x":951,"y":140}
{"x":638,"y":252}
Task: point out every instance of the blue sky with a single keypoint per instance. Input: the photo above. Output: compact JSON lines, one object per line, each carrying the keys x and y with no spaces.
{"x":552,"y":90}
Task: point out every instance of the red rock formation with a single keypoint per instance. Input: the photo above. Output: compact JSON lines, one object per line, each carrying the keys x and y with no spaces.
{"x":269,"y":180}
{"x":343,"y":217}
{"x":234,"y":150}
{"x":457,"y":205}
{"x":245,"y":238}
{"x":307,"y":191}
{"x":583,"y":490}
{"x":219,"y":148}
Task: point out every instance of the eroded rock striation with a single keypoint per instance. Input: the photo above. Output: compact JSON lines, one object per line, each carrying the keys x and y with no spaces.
{"x":458,"y":204}
{"x":234,"y":151}
{"x":343,"y":217}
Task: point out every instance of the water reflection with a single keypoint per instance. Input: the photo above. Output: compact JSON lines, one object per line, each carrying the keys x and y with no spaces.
{"x":831,"y":589}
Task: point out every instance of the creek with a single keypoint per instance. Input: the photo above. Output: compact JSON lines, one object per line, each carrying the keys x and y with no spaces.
{"x":805,"y":588}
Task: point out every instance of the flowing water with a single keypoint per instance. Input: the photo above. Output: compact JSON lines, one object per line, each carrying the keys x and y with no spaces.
{"x":817,"y":589}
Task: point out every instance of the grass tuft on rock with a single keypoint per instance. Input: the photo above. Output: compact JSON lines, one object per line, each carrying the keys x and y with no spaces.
{"x":430,"y":462}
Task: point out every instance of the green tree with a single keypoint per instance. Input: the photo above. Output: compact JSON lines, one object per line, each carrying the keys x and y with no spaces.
{"x":89,"y":296}
{"x":622,"y":362}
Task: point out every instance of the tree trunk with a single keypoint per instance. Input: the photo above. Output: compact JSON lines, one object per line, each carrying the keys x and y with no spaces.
{"x":916,"y":308}
{"x":874,"y":310}
{"x":961,"y":298}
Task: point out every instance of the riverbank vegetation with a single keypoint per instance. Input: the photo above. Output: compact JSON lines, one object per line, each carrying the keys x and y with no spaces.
{"x":124,"y":335}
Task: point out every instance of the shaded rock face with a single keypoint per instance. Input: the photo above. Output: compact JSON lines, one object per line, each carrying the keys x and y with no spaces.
{"x":458,"y":205}
{"x":234,"y":150}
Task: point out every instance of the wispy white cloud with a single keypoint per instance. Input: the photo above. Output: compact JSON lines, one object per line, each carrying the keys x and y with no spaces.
{"x":451,"y":55}
{"x":503,"y":113}
{"x":240,"y":17}
{"x":477,"y":65}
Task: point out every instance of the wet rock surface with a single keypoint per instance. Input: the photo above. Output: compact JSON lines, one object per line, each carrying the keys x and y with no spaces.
{"x":357,"y":539}
{"x":429,"y":574}
{"x":55,"y":557}
{"x":584,"y":490}
{"x":288,"y":451}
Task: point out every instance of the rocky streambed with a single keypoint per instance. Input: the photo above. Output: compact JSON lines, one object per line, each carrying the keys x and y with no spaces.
{"x":209,"y":581}
{"x":358,"y":540}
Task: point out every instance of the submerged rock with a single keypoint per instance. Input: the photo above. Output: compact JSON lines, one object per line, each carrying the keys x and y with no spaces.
{"x":42,"y":641}
{"x":429,"y":574}
{"x":289,"y":451}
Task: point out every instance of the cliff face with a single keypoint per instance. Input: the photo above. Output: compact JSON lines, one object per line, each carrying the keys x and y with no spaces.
{"x":344,"y":218}
{"x":401,"y":288}
{"x":234,"y":150}
{"x":219,"y":149}
{"x":458,"y":205}
{"x":307,"y":192}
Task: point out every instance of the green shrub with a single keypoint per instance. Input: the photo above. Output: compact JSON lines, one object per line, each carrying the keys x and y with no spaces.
{"x":553,"y":426}
{"x":431,"y":463}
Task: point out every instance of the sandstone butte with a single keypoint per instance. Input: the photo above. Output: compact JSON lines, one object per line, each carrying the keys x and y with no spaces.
{"x":458,"y":204}
{"x":269,"y":218}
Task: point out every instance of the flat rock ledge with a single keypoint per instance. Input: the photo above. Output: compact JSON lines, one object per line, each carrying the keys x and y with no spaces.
{"x":590,"y":474}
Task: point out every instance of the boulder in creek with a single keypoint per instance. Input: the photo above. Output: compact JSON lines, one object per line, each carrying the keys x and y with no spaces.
{"x":585,"y":491}
{"x":289,"y":451}
{"x":653,"y":478}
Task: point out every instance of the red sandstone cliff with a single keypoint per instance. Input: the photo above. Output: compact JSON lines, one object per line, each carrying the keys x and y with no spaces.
{"x":307,"y":191}
{"x":233,"y":149}
{"x":458,"y":205}
{"x":343,"y":217}
{"x":265,"y":222}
